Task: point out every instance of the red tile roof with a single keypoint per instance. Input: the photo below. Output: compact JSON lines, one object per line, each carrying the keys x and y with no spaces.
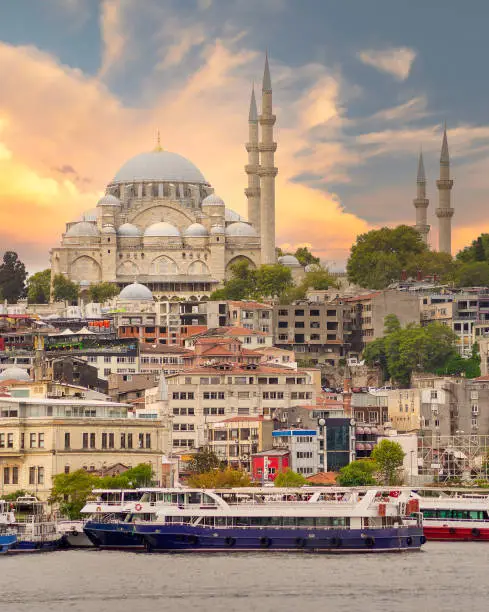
{"x":323,"y":478}
{"x":364,"y":296}
{"x":481,"y":379}
{"x":240,"y":331}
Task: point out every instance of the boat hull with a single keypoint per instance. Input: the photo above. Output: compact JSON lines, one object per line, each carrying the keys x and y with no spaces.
{"x":456,"y":533}
{"x":7,"y":541}
{"x":113,"y":535}
{"x":186,"y":538}
{"x":29,"y":546}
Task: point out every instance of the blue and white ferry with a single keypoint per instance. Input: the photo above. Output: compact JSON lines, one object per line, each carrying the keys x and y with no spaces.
{"x":308,"y":519}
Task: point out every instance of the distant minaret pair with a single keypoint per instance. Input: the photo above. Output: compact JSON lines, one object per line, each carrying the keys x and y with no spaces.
{"x":444,"y":212}
{"x":261,"y":169}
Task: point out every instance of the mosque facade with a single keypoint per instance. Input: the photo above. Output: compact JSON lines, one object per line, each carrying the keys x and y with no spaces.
{"x":161,"y":224}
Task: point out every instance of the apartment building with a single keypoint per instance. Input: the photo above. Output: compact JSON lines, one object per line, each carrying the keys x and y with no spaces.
{"x":42,"y":437}
{"x":234,"y":440}
{"x":166,"y":357}
{"x":313,"y":330}
{"x":212,"y":350}
{"x":205,"y":394}
{"x":365,"y":314}
{"x":303,"y":448}
{"x":250,"y":315}
{"x":249,"y":338}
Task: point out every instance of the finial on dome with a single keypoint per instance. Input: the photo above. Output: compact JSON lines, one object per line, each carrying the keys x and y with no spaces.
{"x":158,"y":141}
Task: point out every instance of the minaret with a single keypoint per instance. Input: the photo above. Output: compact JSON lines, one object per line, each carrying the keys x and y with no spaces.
{"x":252,"y":192}
{"x":267,"y":171}
{"x":421,"y":202}
{"x":444,"y":212}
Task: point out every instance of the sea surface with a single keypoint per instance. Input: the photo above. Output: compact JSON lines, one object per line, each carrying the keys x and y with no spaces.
{"x":445,"y":577}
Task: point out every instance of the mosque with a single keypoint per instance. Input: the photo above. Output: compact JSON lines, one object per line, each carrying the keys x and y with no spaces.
{"x":160,"y":223}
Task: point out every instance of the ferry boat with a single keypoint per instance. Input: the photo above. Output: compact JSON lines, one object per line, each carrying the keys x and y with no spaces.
{"x":26,"y":520}
{"x":102,"y":505}
{"x":269,"y":519}
{"x":456,"y":515}
{"x":8,"y":536}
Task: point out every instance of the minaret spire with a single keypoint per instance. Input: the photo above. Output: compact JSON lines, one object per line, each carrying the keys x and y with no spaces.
{"x":252,"y":192}
{"x":444,"y":212}
{"x":267,"y":170}
{"x":421,"y":202}
{"x":158,"y":141}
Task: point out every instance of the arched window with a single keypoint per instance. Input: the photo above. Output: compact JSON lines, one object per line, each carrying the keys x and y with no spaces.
{"x":198,"y":267}
{"x":164,"y":265}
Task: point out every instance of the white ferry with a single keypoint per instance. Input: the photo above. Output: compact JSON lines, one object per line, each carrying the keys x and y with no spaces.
{"x":275,"y":519}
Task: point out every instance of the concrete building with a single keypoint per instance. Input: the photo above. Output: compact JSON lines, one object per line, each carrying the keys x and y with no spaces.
{"x":303,"y":448}
{"x":313,"y":330}
{"x":250,"y":315}
{"x":40,"y":438}
{"x":169,"y":358}
{"x":444,"y":212}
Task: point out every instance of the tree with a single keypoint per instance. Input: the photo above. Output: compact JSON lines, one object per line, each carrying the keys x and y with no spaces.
{"x":70,"y":491}
{"x":12,"y":277}
{"x":139,"y":476}
{"x":358,"y":473}
{"x":64,"y":289}
{"x":457,"y":365}
{"x":379,"y":256}
{"x":289,"y":479}
{"x":220,"y":479}
{"x":389,"y":458}
{"x":273,"y":280}
{"x":101,"y":292}
{"x":38,"y":287}
{"x":472,"y":274}
{"x":305,"y":257}
{"x":434,"y":263}
{"x":241,"y":285}
{"x":477,"y":251}
{"x":204,"y":461}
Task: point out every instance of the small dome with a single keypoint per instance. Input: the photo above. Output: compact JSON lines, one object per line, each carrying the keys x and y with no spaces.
{"x":231,"y":216}
{"x":128,"y":230}
{"x":136,"y":291}
{"x":213,"y":200}
{"x":217,"y":229}
{"x":89,"y":215}
{"x":108,"y":229}
{"x":240,"y":229}
{"x":195,"y":230}
{"x":15,"y":373}
{"x":288,"y":260}
{"x":109,"y":200}
{"x":162,"y":229}
{"x":82,"y":229}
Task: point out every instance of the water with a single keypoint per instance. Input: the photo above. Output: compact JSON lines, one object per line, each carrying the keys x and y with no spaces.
{"x":445,"y":577}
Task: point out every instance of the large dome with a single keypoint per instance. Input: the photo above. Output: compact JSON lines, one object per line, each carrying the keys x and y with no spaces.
{"x":82,"y":229}
{"x":240,"y":229}
{"x":162,"y":229}
{"x":135,"y":291}
{"x":15,"y":373}
{"x":159,"y":166}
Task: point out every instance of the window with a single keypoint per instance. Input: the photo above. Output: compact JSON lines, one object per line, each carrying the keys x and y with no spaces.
{"x":33,"y":440}
{"x":104,"y":440}
{"x":67,"y":469}
{"x":92,"y":440}
{"x":434,"y":394}
{"x":40,"y":475}
{"x":22,"y":440}
{"x":32,"y":475}
{"x":283,"y":324}
{"x":10,"y":440}
{"x":299,"y":313}
{"x":85,"y":440}
{"x":129,"y":440}
{"x":315,"y":313}
{"x":243,"y":395}
{"x":123,"y":440}
{"x":141,"y":441}
{"x":2,"y":440}
{"x":111,"y":440}
{"x":6,"y":475}
{"x":148,"y":440}
{"x":67,"y":441}
{"x":40,"y":440}
{"x":107,"y":359}
{"x":107,"y":371}
{"x":299,"y":324}
{"x":15,"y":475}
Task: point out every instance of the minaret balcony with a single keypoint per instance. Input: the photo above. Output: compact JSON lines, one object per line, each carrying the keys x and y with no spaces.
{"x":268,"y":171}
{"x":444,"y":212}
{"x":252,"y":192}
{"x":421,"y":203}
{"x":444,"y":183}
{"x":268,"y":147}
{"x":252,"y":168}
{"x":252,"y":147}
{"x":267,"y":119}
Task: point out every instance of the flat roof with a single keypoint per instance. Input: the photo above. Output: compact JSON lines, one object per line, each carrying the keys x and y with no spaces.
{"x":60,"y":402}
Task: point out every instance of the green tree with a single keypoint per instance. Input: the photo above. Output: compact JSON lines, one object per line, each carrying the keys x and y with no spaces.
{"x":70,"y":491}
{"x":305,"y":257}
{"x":139,"y":476}
{"x":12,"y":277}
{"x":472,"y":274}
{"x":378,"y":257}
{"x":220,"y":479}
{"x":434,"y":263}
{"x":241,"y":285}
{"x":204,"y":461}
{"x":358,"y":473}
{"x":64,"y":289}
{"x":38,"y":287}
{"x":389,"y":458}
{"x":289,"y":479}
{"x":456,"y":365}
{"x":477,"y":251}
{"x":101,"y":292}
{"x":272,"y":280}
{"x":375,"y":355}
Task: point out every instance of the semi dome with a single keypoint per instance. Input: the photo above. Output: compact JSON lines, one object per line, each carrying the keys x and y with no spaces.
{"x":288,"y":260}
{"x":217,"y":229}
{"x":159,"y":166}
{"x":15,"y":373}
{"x":109,"y":200}
{"x":82,"y":229}
{"x":108,"y":229}
{"x":240,"y":229}
{"x":162,"y":229}
{"x":230,"y":216}
{"x":135,"y":291}
{"x":128,"y":230}
{"x":213,"y":200}
{"x":196,"y":230}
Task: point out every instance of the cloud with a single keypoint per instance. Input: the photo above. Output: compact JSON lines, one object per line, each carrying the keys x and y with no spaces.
{"x":113,"y":37}
{"x":413,"y":109}
{"x":395,"y":61}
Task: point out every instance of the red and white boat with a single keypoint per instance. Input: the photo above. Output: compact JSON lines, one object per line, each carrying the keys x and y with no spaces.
{"x":454,"y":515}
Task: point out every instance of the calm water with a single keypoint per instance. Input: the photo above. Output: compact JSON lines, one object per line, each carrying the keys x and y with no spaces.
{"x":443,"y":578}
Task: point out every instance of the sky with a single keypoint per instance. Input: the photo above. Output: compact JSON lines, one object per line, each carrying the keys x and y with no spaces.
{"x":359,"y":88}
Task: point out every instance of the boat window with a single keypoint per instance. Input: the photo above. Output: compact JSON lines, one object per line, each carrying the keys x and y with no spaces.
{"x":220,"y":521}
{"x":243,"y":521}
{"x":460,"y":514}
{"x":195,"y":497}
{"x":288,"y":521}
{"x":429,"y":513}
{"x":305,"y":521}
{"x":131,"y":496}
{"x":477,"y":515}
{"x":444,"y":513}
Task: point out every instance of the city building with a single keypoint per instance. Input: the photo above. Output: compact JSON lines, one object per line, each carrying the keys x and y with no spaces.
{"x":268,"y":464}
{"x":40,"y":438}
{"x":303,"y":448}
{"x":250,"y":315}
